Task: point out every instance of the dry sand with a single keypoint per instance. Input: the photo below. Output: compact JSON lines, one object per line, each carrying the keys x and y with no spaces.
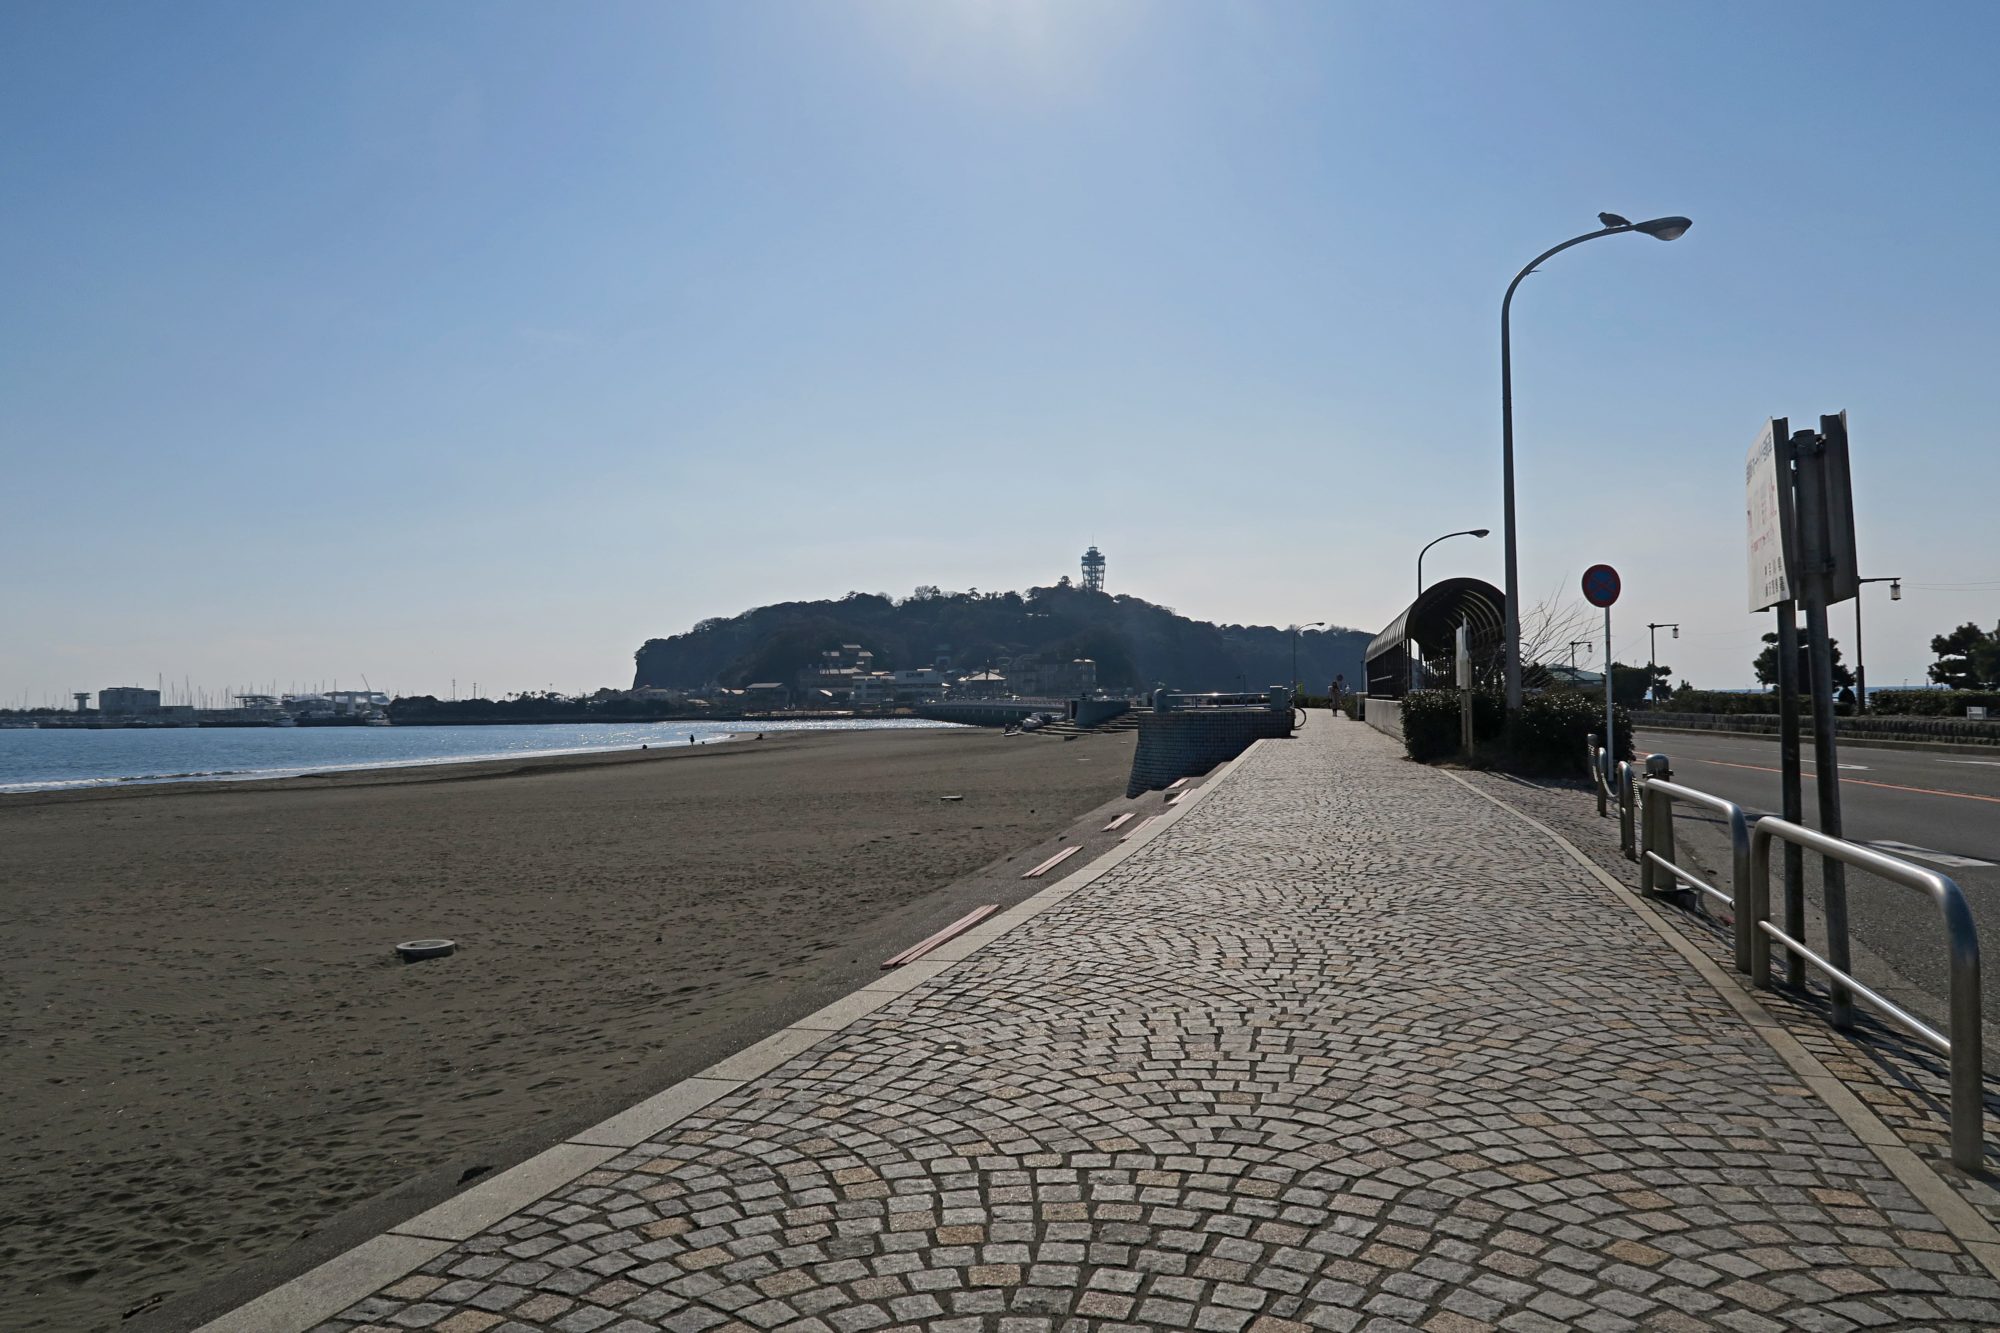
{"x":210,"y":1052}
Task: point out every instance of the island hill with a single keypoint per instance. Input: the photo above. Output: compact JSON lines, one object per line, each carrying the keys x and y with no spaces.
{"x":1062,"y":641}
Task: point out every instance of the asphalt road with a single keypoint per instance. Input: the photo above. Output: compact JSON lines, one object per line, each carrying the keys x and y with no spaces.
{"x":1940,"y":810}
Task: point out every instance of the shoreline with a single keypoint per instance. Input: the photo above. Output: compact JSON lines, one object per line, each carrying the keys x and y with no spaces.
{"x":427,"y":770}
{"x":389,"y":774}
{"x":217,"y":1067}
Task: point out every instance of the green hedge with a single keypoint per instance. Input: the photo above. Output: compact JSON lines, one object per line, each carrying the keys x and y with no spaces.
{"x":1933,"y":703}
{"x":1549,"y":734}
{"x":1430,"y":723}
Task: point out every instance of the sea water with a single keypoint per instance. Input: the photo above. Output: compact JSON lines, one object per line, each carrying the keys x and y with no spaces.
{"x":50,"y":759}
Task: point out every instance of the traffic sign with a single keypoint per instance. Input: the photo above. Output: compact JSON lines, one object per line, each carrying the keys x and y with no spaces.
{"x":1601,"y":585}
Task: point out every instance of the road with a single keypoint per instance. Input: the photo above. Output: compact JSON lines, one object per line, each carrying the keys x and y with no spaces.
{"x":1939,"y":810}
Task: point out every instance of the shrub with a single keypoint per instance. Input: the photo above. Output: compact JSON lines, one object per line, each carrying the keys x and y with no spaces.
{"x":1933,"y":703}
{"x":1430,"y":722}
{"x":1716,"y":701}
{"x":1549,"y":733}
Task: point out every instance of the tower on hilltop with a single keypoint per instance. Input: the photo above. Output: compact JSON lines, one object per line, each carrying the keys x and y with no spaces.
{"x":1093,"y":570}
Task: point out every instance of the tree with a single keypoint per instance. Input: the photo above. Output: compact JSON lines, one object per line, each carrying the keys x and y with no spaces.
{"x":1766,"y":665}
{"x":1549,"y":625}
{"x":1631,"y":685}
{"x":1968,"y":658}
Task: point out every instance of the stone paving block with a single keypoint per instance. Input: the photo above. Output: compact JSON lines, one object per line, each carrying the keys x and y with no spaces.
{"x":1345,"y":1046}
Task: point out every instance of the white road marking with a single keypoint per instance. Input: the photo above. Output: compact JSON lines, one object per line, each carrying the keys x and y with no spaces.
{"x":1983,"y":763}
{"x":1859,"y":768}
{"x":1926,"y":854}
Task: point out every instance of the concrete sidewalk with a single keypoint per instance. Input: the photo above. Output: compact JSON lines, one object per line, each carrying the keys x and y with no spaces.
{"x":1346,"y":1045}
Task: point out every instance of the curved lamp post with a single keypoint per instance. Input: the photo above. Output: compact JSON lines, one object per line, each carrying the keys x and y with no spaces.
{"x":1316,"y":624}
{"x":1861,"y":663}
{"x":1660,"y":229}
{"x":1653,"y":628}
{"x":1469,"y":532}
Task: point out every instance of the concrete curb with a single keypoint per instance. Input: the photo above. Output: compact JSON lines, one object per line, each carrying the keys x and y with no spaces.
{"x":1918,"y":1176}
{"x":316,"y":1296}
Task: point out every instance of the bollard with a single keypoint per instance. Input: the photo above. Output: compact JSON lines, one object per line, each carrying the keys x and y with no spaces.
{"x":1627,"y":799}
{"x":1596,"y":753}
{"x":1656,"y":767}
{"x":1656,"y":829}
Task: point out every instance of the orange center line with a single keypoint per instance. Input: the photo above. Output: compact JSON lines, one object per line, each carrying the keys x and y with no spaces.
{"x":1864,"y":782}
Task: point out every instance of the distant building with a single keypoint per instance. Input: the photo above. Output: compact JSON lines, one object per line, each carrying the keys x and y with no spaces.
{"x":128,"y":699}
{"x":1028,"y":674}
{"x":1071,"y":680}
{"x":837,"y":669}
{"x":1093,"y":570}
{"x":981,"y":685}
{"x":922,"y":685}
{"x":873,"y":687}
{"x":766,"y":694}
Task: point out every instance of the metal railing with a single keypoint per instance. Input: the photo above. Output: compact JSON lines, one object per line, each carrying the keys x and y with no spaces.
{"x":1962,"y":1047}
{"x":1650,"y":794}
{"x":1655,"y":849}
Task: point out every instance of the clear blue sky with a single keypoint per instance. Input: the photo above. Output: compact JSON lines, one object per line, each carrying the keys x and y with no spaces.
{"x":488,"y":340}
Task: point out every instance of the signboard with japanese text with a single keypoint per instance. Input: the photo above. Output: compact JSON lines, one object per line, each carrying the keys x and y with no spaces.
{"x":1767,"y":483}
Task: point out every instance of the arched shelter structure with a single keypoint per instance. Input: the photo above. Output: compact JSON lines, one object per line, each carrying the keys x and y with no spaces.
{"x":1418,"y":648}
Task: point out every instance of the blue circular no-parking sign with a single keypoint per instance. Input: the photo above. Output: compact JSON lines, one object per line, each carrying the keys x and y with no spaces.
{"x":1601,"y":585}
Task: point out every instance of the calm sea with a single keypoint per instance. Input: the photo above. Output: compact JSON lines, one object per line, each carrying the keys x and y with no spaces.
{"x":47,"y":760}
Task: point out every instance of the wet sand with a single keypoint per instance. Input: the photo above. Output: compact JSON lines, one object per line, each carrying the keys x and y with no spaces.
{"x":211,"y":1053}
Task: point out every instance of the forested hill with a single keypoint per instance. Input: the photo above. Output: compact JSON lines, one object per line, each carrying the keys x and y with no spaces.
{"x":1136,"y":645}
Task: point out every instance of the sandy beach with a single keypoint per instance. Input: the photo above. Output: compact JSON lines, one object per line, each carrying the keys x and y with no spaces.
{"x":211,"y":1053}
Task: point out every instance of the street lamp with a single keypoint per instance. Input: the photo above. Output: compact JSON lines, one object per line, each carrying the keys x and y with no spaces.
{"x":1653,"y":653}
{"x":1861,"y":667}
{"x":1469,"y":532}
{"x":1661,"y":229}
{"x":1317,"y":624}
{"x":1575,"y":644}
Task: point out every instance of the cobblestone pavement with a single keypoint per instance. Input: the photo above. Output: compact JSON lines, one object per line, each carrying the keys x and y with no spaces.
{"x":1906,"y":1084}
{"x":1346,"y":1047}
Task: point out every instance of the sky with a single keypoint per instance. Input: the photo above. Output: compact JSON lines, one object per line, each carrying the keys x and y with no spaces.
{"x":482,"y":342}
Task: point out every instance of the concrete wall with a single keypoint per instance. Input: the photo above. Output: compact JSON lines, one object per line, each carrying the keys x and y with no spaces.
{"x":1385,"y":715}
{"x":1188,"y":741}
{"x":990,"y":712}
{"x":1861,"y":730}
{"x":1096,"y":712}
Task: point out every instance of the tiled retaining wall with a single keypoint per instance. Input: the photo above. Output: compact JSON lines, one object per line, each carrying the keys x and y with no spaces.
{"x":1183,"y":743}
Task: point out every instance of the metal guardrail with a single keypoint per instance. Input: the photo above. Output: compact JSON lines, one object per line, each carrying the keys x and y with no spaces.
{"x":1963,"y":1046}
{"x":1655,"y":850}
{"x":1650,"y":793}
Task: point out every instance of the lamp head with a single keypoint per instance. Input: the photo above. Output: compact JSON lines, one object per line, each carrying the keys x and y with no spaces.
{"x":1677,"y":631}
{"x":1895,"y":590}
{"x":1664,"y":229}
{"x":1481,"y":532}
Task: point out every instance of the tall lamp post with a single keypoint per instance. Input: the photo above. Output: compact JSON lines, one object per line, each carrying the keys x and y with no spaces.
{"x":1660,"y":229}
{"x":1860,"y":665}
{"x":1469,"y":532}
{"x":1317,"y":624}
{"x":1575,"y":644}
{"x":1653,"y":653}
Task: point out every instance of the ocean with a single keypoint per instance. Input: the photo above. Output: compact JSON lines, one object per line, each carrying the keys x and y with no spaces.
{"x":54,"y":760}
